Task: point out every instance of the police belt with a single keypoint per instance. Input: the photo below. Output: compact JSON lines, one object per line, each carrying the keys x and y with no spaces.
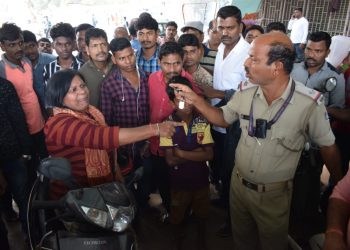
{"x":261,"y":188}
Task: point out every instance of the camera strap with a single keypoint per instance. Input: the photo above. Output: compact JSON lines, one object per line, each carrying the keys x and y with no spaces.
{"x":251,"y":129}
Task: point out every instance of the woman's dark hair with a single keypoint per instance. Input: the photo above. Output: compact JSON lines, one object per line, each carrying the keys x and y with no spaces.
{"x":284,"y":53}
{"x":58,"y":86}
{"x":170,"y":48}
{"x":10,"y":32}
{"x":94,"y":33}
{"x":62,"y":29}
{"x":230,"y":11}
{"x":118,"y":44}
{"x":188,"y":40}
{"x":176,"y":79}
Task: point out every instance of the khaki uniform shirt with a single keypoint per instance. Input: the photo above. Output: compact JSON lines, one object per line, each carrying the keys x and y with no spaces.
{"x":93,"y":78}
{"x":275,"y":158}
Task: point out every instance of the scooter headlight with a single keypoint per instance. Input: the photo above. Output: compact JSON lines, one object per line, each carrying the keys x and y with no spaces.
{"x":121,"y":216}
{"x":97,"y":216}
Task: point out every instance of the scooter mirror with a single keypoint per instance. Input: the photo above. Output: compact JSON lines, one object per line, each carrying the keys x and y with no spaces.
{"x":330,"y":84}
{"x":56,"y":168}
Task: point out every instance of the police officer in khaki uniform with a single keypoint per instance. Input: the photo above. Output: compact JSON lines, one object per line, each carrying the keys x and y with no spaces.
{"x":275,"y":112}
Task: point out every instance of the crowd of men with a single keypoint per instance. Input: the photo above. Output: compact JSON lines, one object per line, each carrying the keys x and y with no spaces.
{"x":270,"y":99}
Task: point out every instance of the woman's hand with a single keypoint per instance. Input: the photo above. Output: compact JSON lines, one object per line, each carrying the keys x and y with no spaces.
{"x":167,"y":129}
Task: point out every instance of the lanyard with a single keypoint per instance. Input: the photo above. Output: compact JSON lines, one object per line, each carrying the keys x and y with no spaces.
{"x":251,"y":129}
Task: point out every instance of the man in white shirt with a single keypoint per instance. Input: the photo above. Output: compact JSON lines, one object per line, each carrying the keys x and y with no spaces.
{"x":228,"y":74}
{"x":299,"y":27}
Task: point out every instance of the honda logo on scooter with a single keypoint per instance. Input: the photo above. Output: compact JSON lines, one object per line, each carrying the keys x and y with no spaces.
{"x":94,"y":242}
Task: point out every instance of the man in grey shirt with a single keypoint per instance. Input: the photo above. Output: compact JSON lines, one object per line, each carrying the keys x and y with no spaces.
{"x":315,"y":71}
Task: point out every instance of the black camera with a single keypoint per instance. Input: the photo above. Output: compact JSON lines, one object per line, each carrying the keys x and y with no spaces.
{"x":260,"y":128}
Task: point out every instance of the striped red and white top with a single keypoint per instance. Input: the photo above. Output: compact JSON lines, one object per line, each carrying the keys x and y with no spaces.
{"x":68,"y":136}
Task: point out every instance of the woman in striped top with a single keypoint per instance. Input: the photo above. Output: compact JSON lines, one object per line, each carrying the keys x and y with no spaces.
{"x":78,"y":132}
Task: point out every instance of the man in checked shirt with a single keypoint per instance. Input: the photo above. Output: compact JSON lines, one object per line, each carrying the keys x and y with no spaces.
{"x":147,"y":34}
{"x":124,"y":102}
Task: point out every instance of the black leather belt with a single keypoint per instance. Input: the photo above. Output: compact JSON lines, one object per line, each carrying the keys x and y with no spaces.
{"x":251,"y":185}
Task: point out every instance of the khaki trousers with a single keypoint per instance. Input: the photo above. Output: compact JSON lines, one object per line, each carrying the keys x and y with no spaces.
{"x":259,"y":220}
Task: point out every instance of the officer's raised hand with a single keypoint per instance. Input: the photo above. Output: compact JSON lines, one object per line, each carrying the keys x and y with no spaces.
{"x":213,"y":114}
{"x":183,"y":92}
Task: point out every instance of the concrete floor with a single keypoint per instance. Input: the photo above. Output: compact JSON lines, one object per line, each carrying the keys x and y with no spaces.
{"x":155,"y":235}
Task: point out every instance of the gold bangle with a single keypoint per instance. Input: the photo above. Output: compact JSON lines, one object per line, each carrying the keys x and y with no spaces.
{"x":156,"y":132}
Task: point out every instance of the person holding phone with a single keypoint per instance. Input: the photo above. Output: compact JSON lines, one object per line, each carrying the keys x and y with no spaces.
{"x":299,"y":27}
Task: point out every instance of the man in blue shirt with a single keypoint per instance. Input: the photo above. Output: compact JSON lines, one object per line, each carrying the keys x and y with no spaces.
{"x":38,"y":60}
{"x":147,"y":34}
{"x":135,"y":44}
